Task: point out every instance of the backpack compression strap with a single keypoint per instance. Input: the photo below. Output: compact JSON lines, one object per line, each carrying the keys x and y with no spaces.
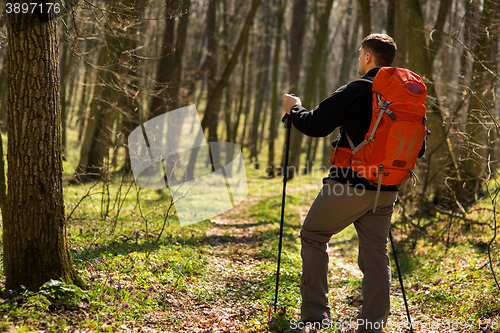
{"x":384,"y":108}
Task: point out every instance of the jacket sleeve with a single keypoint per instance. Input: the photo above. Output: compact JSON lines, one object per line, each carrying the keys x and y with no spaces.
{"x":324,"y":118}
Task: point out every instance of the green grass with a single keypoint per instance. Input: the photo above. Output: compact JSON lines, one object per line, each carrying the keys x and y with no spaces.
{"x":132,"y":275}
{"x":143,"y":270}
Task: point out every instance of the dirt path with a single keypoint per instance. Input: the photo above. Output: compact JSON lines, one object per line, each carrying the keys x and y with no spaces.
{"x":234,"y":261}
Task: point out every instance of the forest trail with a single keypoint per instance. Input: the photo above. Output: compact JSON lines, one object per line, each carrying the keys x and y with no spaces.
{"x":235,"y":262}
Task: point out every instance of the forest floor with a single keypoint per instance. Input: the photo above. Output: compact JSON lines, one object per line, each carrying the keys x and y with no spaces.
{"x":219,"y":275}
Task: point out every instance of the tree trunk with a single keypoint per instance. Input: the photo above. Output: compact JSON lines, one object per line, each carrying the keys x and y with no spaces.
{"x":399,"y":37}
{"x":296,"y":40}
{"x":65,"y":71}
{"x":482,"y":85}
{"x":109,"y":87}
{"x":390,"y":25}
{"x":211,"y":70}
{"x":437,"y":32}
{"x":310,"y":85}
{"x":129,"y":102}
{"x":228,"y":100}
{"x":242,"y":93}
{"x":366,"y":17}
{"x":312,"y":78}
{"x":248,"y":102}
{"x":262,"y":82}
{"x":3,"y":183}
{"x":161,"y":99}
{"x":274,"y":103}
{"x":230,"y":66}
{"x":3,"y":92}
{"x":419,"y":57}
{"x":215,"y":95}
{"x":34,"y":242}
{"x":87,"y":93}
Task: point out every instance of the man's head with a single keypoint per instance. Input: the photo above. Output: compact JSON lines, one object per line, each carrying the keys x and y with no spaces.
{"x":377,"y":50}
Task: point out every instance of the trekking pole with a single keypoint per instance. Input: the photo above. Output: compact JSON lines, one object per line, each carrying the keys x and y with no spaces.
{"x":288,"y":125}
{"x":400,"y":280}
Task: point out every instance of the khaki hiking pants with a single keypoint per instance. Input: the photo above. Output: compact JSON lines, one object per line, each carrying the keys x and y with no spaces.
{"x":336,"y":207}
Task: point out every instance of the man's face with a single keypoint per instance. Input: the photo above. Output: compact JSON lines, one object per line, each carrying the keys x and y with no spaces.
{"x":362,"y":61}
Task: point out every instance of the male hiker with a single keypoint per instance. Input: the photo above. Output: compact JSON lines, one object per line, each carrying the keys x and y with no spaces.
{"x":346,"y":197}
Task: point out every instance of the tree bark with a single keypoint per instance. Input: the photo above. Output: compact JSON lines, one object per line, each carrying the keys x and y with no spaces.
{"x":35,"y":247}
{"x":3,"y":184}
{"x":3,"y":92}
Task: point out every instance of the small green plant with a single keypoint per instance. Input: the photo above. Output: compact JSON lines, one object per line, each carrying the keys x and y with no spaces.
{"x":279,"y":321}
{"x":61,"y":294}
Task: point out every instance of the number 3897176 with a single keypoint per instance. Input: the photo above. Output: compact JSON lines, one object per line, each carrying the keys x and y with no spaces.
{"x":33,"y":8}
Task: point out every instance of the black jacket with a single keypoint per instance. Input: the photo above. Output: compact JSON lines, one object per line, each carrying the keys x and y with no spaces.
{"x":350,"y":106}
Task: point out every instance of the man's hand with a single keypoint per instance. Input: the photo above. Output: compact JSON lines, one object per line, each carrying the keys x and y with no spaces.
{"x":290,"y":101}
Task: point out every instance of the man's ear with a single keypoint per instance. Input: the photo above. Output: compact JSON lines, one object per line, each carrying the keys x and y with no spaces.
{"x":368,"y":57}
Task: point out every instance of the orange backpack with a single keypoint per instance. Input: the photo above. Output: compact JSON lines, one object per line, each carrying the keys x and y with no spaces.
{"x":397,"y":129}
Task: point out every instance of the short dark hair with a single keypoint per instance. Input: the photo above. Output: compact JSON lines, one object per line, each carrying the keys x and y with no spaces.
{"x":382,"y":47}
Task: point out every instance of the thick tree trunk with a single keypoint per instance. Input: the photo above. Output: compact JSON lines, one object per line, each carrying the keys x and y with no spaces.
{"x":3,"y":184}
{"x":35,"y":248}
{"x":3,"y":92}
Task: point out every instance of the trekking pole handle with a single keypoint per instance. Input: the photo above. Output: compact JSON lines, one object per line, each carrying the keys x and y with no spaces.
{"x":286,"y":118}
